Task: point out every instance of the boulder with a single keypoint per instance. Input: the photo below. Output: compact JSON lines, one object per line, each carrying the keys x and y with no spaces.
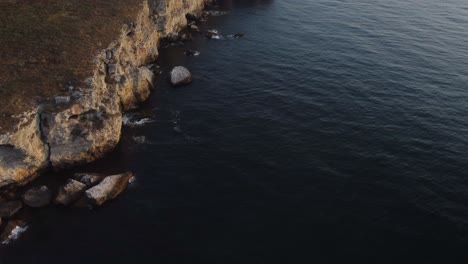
{"x":109,"y":188}
{"x":38,"y":196}
{"x":10,"y":208}
{"x":180,"y":76}
{"x":90,"y":179}
{"x":70,"y":192}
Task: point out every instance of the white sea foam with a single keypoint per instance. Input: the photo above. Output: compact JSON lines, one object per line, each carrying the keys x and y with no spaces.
{"x":217,"y":13}
{"x":129,"y":120}
{"x":15,"y":234}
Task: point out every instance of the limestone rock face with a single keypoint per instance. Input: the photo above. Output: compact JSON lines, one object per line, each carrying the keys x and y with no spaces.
{"x":38,"y":196}
{"x":23,"y":155}
{"x":109,"y":188}
{"x":180,"y":76}
{"x":87,"y":125}
{"x":10,"y":208}
{"x":70,"y":192}
{"x":16,"y":167}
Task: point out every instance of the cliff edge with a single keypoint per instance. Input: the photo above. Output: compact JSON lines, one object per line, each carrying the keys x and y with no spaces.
{"x":79,"y":118}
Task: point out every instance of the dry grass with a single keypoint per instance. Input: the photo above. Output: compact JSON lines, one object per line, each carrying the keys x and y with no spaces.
{"x":44,"y":44}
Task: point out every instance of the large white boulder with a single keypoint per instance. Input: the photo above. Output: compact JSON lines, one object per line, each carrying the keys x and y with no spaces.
{"x":109,"y":188}
{"x":180,"y":76}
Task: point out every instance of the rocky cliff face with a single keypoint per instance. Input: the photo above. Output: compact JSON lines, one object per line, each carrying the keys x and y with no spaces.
{"x":87,"y":125}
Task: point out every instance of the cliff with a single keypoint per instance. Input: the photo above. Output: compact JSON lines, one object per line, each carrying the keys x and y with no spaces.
{"x":84,"y":122}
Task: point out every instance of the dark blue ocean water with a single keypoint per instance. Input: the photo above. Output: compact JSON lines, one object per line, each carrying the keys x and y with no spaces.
{"x":335,"y":131}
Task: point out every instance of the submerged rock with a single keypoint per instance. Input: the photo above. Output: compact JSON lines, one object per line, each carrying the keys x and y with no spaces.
{"x":212,"y":34}
{"x":192,"y":52}
{"x":10,"y":208}
{"x":180,"y":76}
{"x":70,"y":192}
{"x":90,"y":179}
{"x":38,"y":196}
{"x":109,"y":188}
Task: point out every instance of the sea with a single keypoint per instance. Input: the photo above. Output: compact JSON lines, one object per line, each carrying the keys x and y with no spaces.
{"x":333,"y":131}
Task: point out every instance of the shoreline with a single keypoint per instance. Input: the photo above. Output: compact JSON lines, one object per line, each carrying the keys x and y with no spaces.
{"x":86,"y":125}
{"x":67,"y":132}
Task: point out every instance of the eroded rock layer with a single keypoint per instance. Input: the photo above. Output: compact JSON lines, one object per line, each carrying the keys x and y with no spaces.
{"x":85,"y":124}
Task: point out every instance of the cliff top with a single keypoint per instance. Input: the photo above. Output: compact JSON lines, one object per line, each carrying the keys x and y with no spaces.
{"x":46,"y":44}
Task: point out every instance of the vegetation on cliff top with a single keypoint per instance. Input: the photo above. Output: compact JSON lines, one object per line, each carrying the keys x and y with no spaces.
{"x":46,"y":44}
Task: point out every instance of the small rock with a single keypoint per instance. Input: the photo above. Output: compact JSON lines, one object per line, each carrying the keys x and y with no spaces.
{"x":111,"y":68}
{"x":109,"y":54}
{"x":132,"y":180}
{"x":117,"y":78}
{"x":194,"y":28}
{"x":89,"y":82}
{"x":180,"y":76}
{"x":178,"y":129}
{"x":90,"y":179}
{"x":70,"y":192}
{"x":109,"y":188}
{"x":10,"y":209}
{"x":76,"y":94}
{"x":38,"y":196}
{"x":192,"y":53}
{"x":62,"y":99}
{"x":212,"y":34}
{"x":238,"y":35}
{"x":186,"y":37}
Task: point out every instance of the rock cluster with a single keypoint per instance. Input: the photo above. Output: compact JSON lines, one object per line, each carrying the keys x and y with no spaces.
{"x":85,"y":190}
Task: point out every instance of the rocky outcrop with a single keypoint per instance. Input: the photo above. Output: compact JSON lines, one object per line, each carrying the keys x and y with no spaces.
{"x":87,"y":125}
{"x":180,"y":76}
{"x":109,"y":188}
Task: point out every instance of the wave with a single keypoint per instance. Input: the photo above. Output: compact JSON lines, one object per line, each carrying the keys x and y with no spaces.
{"x":130,"y":120}
{"x":15,"y":234}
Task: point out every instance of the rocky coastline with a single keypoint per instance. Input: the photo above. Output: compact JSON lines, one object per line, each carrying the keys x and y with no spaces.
{"x":86,"y":123}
